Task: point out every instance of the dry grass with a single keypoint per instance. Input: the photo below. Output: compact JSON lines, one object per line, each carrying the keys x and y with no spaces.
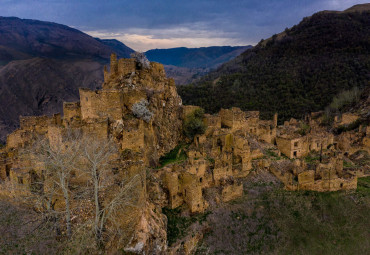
{"x":23,"y":231}
{"x":270,"y":220}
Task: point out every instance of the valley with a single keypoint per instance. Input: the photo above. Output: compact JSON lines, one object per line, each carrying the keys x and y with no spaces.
{"x":259,"y":149}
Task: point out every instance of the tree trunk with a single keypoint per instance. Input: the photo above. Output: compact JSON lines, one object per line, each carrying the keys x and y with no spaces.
{"x":68,"y":210}
{"x":98,"y":229}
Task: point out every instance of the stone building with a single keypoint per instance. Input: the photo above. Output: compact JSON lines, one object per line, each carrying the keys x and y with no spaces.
{"x":296,"y":139}
{"x":139,"y":108}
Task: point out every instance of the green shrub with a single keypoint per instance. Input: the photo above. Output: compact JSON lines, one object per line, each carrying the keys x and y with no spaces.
{"x":347,"y":164}
{"x":178,"y":225}
{"x":176,"y":155}
{"x":344,"y":98}
{"x":270,"y":153}
{"x":339,"y":104}
{"x":328,"y":118}
{"x":211,"y":160}
{"x":311,"y":158}
{"x":363,"y":186}
{"x":304,"y":129}
{"x":193,"y":124}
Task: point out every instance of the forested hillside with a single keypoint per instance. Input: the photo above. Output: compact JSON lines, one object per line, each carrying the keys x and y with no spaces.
{"x":297,"y":71}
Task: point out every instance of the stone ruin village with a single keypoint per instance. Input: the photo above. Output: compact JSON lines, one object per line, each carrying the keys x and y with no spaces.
{"x":302,"y":154}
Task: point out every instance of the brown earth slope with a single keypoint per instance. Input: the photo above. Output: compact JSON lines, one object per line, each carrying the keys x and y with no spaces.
{"x":43,"y":64}
{"x":39,"y":86}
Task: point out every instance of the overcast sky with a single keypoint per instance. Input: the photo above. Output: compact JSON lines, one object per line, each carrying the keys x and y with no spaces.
{"x":149,"y":24}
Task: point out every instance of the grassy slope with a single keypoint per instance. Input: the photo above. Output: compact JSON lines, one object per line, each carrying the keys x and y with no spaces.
{"x":270,"y":220}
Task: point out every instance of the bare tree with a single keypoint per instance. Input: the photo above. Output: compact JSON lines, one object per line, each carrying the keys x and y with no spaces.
{"x":99,"y":159}
{"x":61,"y":160}
{"x":108,"y":189}
{"x":127,"y":197}
{"x":98,"y":156}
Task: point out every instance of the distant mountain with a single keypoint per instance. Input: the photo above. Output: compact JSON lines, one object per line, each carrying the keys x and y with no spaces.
{"x":294,"y":72}
{"x":43,"y":64}
{"x":47,"y":39}
{"x":118,"y":47}
{"x":205,"y":57}
{"x":188,"y":64}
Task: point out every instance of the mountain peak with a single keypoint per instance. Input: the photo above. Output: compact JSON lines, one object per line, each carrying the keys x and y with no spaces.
{"x":359,"y":8}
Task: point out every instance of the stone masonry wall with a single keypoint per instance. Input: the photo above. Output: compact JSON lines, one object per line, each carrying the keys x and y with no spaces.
{"x":102,"y":103}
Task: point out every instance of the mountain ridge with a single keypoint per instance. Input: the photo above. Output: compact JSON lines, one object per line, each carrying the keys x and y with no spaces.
{"x":194,"y":57}
{"x":187,"y":65}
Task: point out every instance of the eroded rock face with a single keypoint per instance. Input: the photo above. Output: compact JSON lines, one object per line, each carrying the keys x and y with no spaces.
{"x":146,"y":96}
{"x":150,"y":236}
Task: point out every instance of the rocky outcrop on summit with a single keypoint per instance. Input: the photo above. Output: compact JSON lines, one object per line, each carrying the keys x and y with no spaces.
{"x":146,"y":91}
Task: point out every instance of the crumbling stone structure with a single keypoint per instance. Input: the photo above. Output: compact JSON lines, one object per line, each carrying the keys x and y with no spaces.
{"x":324,"y":176}
{"x":217,"y":159}
{"x":345,"y":119}
{"x":233,"y":143}
{"x":249,"y":122}
{"x":108,"y":113}
{"x":296,"y":139}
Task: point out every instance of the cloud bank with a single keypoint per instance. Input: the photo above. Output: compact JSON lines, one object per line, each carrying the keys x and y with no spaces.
{"x":147,"y":24}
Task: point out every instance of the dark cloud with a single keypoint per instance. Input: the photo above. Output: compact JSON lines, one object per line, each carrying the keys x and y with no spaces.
{"x":228,"y":21}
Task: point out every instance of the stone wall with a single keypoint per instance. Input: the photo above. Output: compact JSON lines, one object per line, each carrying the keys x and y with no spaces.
{"x":188,"y":109}
{"x":293,"y":147}
{"x":284,"y":145}
{"x":212,"y":122}
{"x":19,"y":138}
{"x":231,"y":191}
{"x":126,"y":66}
{"x":266,"y":132}
{"x":346,"y":118}
{"x":333,"y":184}
{"x":71,"y":112}
{"x":192,"y":193}
{"x":233,"y":118}
{"x":171,"y":181}
{"x":133,"y":136}
{"x":328,"y":176}
{"x":98,"y":128}
{"x":3,"y":167}
{"x":101,"y":103}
